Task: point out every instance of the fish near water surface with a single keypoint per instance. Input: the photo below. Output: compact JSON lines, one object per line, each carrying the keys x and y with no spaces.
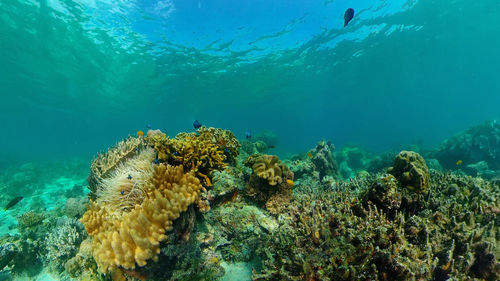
{"x":348,"y":15}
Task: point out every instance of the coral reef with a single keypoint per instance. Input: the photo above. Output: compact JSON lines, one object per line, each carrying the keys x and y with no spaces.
{"x":411,"y":170}
{"x":270,"y":182}
{"x":322,"y":157}
{"x":75,"y":207}
{"x":268,"y":167}
{"x":479,"y":143}
{"x":131,"y":234}
{"x":206,"y":150}
{"x":62,"y":243}
{"x":333,"y":235}
{"x":193,"y":208}
{"x":29,"y":219}
{"x":7,"y":253}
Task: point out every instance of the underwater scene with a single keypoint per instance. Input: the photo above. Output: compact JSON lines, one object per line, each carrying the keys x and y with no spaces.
{"x":249,"y":140}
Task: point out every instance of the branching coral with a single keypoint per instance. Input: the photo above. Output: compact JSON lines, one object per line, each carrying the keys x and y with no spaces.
{"x":202,"y":152}
{"x":104,"y":163}
{"x":62,"y":243}
{"x":222,"y":138}
{"x":124,"y":237}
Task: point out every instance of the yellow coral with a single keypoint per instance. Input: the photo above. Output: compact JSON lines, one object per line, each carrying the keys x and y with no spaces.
{"x":222,"y":138}
{"x":126,"y":237}
{"x":269,"y":167}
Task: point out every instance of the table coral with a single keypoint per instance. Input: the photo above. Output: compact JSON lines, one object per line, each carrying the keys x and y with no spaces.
{"x":126,"y":237}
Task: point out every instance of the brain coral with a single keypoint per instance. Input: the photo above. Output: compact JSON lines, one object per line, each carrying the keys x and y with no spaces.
{"x":126,"y":234}
{"x":411,"y":171}
{"x":269,"y":167}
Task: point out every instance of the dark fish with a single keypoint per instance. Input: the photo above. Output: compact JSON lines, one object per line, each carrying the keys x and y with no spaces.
{"x":13,"y":202}
{"x":348,"y":15}
{"x":148,"y":126}
{"x":129,"y":177}
{"x":248,"y":135}
{"x":176,"y":153}
{"x":196,"y":124}
{"x":156,"y":161}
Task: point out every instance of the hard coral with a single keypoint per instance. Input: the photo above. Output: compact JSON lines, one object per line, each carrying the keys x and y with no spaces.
{"x":124,"y":237}
{"x":411,"y":171}
{"x":202,"y":152}
{"x":324,"y":161}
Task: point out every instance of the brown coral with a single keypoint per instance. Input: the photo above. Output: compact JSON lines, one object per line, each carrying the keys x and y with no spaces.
{"x":269,"y":167}
{"x":411,"y":171}
{"x":270,"y":182}
{"x":124,"y":238}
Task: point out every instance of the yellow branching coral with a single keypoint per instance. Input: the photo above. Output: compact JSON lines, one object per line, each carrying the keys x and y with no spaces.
{"x":160,"y":142}
{"x":124,"y":237}
{"x":269,"y":167}
{"x":224,"y":139}
{"x":206,"y":150}
{"x":104,"y":163}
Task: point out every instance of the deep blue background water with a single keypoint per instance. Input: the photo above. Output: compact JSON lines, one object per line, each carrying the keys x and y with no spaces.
{"x":77,"y":76}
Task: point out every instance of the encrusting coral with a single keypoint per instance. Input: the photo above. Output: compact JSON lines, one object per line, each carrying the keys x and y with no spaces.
{"x":126,"y":236}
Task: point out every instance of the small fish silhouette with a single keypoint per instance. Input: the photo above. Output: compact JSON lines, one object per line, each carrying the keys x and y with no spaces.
{"x":13,"y":202}
{"x":176,"y":153}
{"x":248,"y":135}
{"x":290,"y":182}
{"x":148,"y":126}
{"x":459,"y":162}
{"x":309,"y":154}
{"x":129,"y":177}
{"x":140,"y":133}
{"x":196,"y":124}
{"x":348,"y":15}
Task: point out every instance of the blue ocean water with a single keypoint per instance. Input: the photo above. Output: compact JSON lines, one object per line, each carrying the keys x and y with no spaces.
{"x":78,"y":76}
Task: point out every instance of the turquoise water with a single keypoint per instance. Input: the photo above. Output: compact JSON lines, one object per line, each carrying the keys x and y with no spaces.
{"x":78,"y":76}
